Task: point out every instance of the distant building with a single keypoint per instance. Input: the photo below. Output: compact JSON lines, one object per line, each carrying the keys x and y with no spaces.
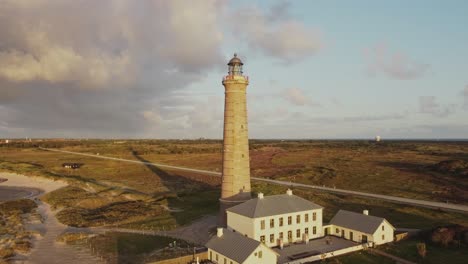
{"x":72,"y":165}
{"x":377,"y":139}
{"x":233,"y":248}
{"x":7,"y":141}
{"x":277,"y":219}
{"x":361,"y":228}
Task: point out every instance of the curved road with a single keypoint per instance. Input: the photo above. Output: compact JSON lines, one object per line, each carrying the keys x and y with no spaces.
{"x":420,"y":203}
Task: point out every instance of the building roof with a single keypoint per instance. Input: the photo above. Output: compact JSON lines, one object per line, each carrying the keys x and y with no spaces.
{"x":235,"y":61}
{"x":233,"y":245}
{"x":356,"y":221}
{"x":273,"y":205}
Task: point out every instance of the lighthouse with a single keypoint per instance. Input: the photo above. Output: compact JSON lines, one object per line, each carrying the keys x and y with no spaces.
{"x":235,"y":187}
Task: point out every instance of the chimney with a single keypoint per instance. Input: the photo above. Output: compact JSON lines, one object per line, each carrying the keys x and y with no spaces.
{"x":260,"y":195}
{"x":366,"y":212}
{"x":219,"y":232}
{"x":289,"y":192}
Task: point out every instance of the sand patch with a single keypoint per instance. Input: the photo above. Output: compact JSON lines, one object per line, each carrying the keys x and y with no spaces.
{"x":18,"y":180}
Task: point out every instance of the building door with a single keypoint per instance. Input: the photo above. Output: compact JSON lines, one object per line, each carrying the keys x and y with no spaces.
{"x":364,"y":239}
{"x":342,"y":234}
{"x":350,"y":235}
{"x":290,"y":236}
{"x":326,"y":231}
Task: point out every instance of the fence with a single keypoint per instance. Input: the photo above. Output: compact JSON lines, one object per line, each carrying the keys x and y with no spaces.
{"x":183,"y":260}
{"x":329,"y":254}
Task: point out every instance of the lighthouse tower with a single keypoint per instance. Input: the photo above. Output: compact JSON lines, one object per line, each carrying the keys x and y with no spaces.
{"x":235,"y":188}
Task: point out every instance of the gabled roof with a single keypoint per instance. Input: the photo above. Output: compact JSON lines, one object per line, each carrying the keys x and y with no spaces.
{"x":273,"y":205}
{"x":356,"y":221}
{"x":233,"y":245}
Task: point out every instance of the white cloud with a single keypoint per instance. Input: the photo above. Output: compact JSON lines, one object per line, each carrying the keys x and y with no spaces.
{"x":297,"y":97}
{"x":429,"y":105}
{"x":464,"y":93}
{"x":396,"y":65}
{"x":273,"y":32}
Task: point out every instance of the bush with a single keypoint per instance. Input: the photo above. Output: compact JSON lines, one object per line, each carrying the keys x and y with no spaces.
{"x":421,"y":249}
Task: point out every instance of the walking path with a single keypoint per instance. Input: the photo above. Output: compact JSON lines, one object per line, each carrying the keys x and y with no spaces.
{"x":420,"y":203}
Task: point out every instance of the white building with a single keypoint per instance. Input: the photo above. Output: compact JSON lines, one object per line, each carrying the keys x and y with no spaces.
{"x":360,"y":228}
{"x":229,"y":247}
{"x":277,"y":219}
{"x":253,"y":227}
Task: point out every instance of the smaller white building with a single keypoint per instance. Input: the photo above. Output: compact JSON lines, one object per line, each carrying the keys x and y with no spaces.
{"x":277,"y":219}
{"x":229,"y":247}
{"x":360,"y":228}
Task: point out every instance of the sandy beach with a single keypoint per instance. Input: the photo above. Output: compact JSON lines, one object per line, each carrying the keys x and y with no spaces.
{"x":17,"y":180}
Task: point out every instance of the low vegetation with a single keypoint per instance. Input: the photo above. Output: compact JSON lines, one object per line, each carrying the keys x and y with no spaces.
{"x":135,"y":248}
{"x":14,"y":238}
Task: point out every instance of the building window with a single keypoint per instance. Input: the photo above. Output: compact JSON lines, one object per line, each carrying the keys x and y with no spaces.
{"x":262,"y":239}
{"x":306,"y":230}
{"x":314,"y":216}
{"x":383,"y":228}
{"x":272,"y":238}
{"x":225,"y":261}
{"x":314,"y":230}
{"x":281,"y":221}
{"x":281,"y":235}
{"x":272,"y":223}
{"x":306,"y":218}
{"x":289,"y":235}
{"x":260,"y":255}
{"x":298,"y":233}
{"x":289,"y":220}
{"x":383,"y":237}
{"x":337,"y":231}
{"x":262,"y":224}
{"x":211,"y":255}
{"x":217,"y":257}
{"x":298,"y":219}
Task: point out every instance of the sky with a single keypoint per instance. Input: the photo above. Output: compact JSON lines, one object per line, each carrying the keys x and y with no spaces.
{"x":320,"y":69}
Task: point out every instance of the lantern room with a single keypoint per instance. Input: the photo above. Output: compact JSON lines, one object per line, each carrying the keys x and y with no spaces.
{"x":235,"y":66}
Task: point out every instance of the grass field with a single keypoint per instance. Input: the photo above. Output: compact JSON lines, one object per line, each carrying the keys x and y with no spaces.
{"x":397,"y":168}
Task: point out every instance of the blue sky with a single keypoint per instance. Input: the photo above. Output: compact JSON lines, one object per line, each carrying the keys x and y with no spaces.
{"x":153,"y":69}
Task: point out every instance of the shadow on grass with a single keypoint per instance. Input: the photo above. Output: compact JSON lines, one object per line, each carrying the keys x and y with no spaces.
{"x":195,"y":195}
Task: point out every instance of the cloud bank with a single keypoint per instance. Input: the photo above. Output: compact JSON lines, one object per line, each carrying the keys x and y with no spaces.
{"x":394,"y":65}
{"x":97,"y":67}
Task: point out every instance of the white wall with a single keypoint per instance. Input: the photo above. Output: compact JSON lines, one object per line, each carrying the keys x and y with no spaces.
{"x":387,"y":233}
{"x":215,"y":256}
{"x":357,"y":236}
{"x":240,"y":224}
{"x":268,"y":256}
{"x":258,"y":232}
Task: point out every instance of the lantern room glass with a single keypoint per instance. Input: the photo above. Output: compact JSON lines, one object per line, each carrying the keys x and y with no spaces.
{"x":235,"y":69}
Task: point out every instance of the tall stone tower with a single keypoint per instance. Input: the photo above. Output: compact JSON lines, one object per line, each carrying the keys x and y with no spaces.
{"x":235,"y":188}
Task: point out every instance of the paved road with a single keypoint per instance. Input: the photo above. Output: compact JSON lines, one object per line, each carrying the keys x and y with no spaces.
{"x":420,"y":203}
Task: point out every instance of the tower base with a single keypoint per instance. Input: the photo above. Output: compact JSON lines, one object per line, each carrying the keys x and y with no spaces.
{"x":226,"y":204}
